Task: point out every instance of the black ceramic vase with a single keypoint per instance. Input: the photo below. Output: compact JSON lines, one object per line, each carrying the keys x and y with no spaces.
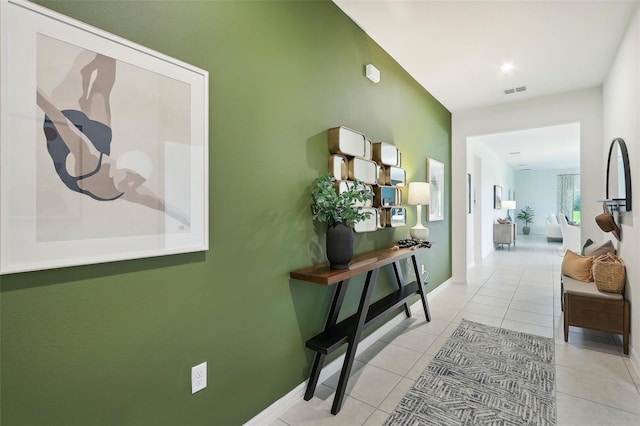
{"x":339,"y":245}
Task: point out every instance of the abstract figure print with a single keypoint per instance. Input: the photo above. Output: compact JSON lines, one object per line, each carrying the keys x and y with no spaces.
{"x":115,"y":147}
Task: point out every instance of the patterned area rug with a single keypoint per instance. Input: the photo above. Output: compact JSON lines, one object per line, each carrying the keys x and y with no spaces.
{"x":484,"y":376}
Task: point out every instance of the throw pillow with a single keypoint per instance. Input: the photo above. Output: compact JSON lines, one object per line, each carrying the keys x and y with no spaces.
{"x":577,"y":267}
{"x":599,"y":250}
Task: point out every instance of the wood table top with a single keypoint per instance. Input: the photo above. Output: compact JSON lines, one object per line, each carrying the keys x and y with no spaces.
{"x":323,"y":274}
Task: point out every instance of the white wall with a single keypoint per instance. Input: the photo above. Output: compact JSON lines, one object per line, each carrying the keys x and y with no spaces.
{"x":583,"y":106}
{"x":621,"y":118}
{"x":539,"y":190}
{"x":493,"y":171}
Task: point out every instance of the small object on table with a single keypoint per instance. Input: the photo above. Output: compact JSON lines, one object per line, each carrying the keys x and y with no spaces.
{"x":409,"y":243}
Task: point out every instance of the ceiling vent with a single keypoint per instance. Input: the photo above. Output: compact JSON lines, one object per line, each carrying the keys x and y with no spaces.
{"x":515,"y":90}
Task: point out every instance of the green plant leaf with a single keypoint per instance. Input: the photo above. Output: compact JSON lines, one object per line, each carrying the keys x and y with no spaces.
{"x":526,"y":215}
{"x":330,"y":206}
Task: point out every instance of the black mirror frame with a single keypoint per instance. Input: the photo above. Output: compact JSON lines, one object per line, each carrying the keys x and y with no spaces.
{"x":627,"y":175}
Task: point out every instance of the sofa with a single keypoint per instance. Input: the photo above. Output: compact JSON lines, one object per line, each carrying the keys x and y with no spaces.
{"x":554,"y":233}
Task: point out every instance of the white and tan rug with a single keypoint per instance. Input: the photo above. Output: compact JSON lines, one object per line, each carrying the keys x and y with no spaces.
{"x":484,"y":376}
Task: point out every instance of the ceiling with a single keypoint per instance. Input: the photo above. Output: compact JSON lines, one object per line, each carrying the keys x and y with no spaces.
{"x":531,"y":152}
{"x":455,"y":50}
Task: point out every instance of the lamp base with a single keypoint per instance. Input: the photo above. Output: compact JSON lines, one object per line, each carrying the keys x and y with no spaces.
{"x":419,"y":233}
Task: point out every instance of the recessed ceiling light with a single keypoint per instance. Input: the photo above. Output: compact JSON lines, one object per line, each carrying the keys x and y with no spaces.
{"x":506,"y":67}
{"x":514,"y":152}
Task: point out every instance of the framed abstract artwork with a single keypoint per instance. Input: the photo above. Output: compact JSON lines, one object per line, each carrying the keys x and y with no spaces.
{"x":497,"y":196}
{"x":103,"y":146}
{"x":435,"y":173}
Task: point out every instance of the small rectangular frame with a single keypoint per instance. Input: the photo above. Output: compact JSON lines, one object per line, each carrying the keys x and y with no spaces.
{"x":435,"y":177}
{"x":497,"y":196}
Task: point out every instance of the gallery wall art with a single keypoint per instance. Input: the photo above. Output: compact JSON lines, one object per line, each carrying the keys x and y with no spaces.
{"x":435,"y":173}
{"x":103,"y":146}
{"x":497,"y":196}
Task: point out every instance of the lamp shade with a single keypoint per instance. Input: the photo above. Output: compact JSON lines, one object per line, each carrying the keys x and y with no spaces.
{"x":419,"y":194}
{"x":508,"y":204}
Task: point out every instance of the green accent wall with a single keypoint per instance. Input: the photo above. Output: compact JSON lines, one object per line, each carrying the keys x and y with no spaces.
{"x":113,"y":344}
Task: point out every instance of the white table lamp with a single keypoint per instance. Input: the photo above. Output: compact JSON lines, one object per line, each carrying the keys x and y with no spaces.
{"x":508,"y":205}
{"x":419,"y":195}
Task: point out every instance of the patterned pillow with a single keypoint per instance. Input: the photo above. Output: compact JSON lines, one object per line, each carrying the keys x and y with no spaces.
{"x":599,"y":250}
{"x":577,"y":267}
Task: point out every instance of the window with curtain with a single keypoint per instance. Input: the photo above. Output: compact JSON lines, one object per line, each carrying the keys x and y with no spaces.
{"x":569,"y":197}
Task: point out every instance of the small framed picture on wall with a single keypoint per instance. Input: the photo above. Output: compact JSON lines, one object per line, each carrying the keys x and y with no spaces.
{"x":435,"y":173}
{"x":497,"y":196}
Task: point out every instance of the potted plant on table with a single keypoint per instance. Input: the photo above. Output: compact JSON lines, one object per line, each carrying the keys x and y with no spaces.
{"x":526,"y":215}
{"x":341,"y":211}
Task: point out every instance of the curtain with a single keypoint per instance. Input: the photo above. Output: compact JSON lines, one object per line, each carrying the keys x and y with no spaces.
{"x":568,"y":195}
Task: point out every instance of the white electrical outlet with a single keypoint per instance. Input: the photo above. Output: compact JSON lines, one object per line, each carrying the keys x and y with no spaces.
{"x":198,"y":377}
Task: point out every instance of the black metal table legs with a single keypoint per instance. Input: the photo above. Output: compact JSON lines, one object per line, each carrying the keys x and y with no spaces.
{"x":350,"y":330}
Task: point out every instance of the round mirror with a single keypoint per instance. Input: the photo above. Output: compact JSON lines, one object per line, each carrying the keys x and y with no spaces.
{"x":619,"y":175}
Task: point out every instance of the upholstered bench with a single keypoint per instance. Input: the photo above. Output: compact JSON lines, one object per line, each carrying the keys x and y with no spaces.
{"x":587,"y":307}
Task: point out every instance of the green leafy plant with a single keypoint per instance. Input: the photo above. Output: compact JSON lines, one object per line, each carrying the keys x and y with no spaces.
{"x":526,"y":215}
{"x":331,"y":207}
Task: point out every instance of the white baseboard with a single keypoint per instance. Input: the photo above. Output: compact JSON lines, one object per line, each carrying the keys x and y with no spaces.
{"x":272,"y":412}
{"x":635,"y":360}
{"x":437,"y":289}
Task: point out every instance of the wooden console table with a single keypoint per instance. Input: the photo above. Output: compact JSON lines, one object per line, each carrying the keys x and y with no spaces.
{"x":350,"y":329}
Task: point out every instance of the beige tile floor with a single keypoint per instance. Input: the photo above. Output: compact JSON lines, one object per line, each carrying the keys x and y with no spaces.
{"x":516,"y":289}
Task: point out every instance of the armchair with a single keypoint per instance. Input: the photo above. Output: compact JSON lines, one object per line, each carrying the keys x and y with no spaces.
{"x":570,"y":235}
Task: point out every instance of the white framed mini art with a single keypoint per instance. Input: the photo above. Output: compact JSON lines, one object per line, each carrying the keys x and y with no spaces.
{"x":435,"y":174}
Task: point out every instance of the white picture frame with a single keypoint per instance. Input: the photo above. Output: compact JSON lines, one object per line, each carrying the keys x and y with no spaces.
{"x":140,"y":127}
{"x":435,"y":175}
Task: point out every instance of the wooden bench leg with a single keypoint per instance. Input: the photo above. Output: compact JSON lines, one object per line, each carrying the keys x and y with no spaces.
{"x":626,"y":325}
{"x":566,"y":317}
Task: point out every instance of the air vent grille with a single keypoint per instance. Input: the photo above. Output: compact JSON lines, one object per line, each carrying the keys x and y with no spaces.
{"x":515,"y":90}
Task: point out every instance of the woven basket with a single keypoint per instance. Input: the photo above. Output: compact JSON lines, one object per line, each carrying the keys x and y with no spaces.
{"x":609,"y":273}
